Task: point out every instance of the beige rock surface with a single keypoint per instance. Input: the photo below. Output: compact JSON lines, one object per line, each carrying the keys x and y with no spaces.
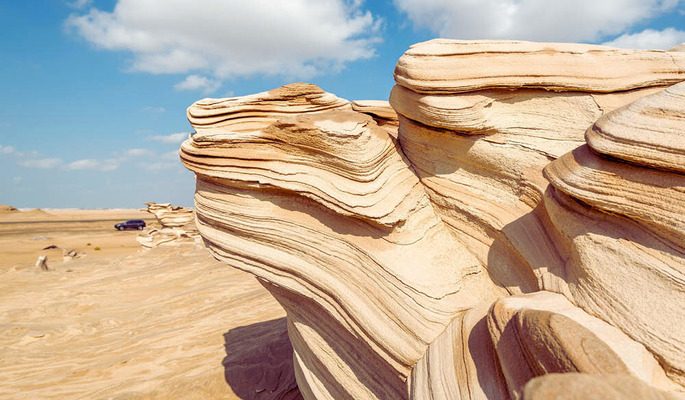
{"x":440,"y":261}
{"x":250,"y":113}
{"x":381,"y":112}
{"x":170,"y":216}
{"x":647,"y":132}
{"x":575,"y":386}
{"x":345,"y":231}
{"x":627,"y":233}
{"x":454,"y":66}
{"x":177,"y":227}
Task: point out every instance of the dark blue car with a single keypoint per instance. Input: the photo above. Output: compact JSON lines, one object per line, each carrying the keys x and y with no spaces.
{"x":131,"y":224}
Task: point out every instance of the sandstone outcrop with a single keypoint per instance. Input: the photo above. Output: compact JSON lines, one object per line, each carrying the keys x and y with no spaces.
{"x":171,"y":216}
{"x":177,"y":226}
{"x":437,"y":260}
{"x":381,"y":112}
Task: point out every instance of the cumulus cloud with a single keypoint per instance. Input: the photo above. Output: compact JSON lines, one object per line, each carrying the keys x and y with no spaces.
{"x":154,"y":110}
{"x":539,"y":20}
{"x":41,"y":163}
{"x":170,"y":156}
{"x":196,"y":82}
{"x":93,"y":164}
{"x":230,"y":38}
{"x":79,"y":4}
{"x":173,"y":138}
{"x":6,"y":149}
{"x":649,"y":39}
{"x":160,"y":165}
{"x":139,"y":153}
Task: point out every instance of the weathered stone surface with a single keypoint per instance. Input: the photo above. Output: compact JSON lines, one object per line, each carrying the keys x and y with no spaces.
{"x":177,"y":227}
{"x":647,"y":132}
{"x":326,"y":209}
{"x":440,"y":261}
{"x":543,"y":333}
{"x":620,"y":224}
{"x":443,"y":65}
{"x":381,"y":112}
{"x":344,"y":162}
{"x":170,"y":216}
{"x":575,"y":386}
{"x":249,"y":113}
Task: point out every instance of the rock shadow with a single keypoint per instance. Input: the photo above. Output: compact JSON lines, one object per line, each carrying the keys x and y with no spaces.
{"x":259,"y":362}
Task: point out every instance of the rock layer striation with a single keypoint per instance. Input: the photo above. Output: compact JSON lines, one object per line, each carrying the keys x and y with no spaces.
{"x":513,"y":230}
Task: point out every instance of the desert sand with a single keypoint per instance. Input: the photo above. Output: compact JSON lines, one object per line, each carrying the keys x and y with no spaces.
{"x":125,"y":323}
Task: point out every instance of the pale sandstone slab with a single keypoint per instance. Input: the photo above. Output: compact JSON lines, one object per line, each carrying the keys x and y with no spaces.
{"x":543,"y":333}
{"x":442,"y":65}
{"x":248,"y":113}
{"x":349,"y":278}
{"x":381,"y":112}
{"x":651,"y":197}
{"x":649,"y":131}
{"x":342,"y":160}
{"x":461,"y":363}
{"x":387,"y":253}
{"x":576,"y":386}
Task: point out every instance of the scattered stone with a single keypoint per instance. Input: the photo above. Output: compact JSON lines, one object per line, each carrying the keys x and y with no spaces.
{"x":42,"y":263}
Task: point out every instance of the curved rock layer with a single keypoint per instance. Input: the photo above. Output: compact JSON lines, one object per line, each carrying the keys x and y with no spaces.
{"x":324,"y":207}
{"x":381,"y":112}
{"x":635,"y":223}
{"x":250,"y":113}
{"x":439,"y":262}
{"x":648,"y":132}
{"x":171,"y":216}
{"x":576,"y":386}
{"x":480,"y":151}
{"x":455,"y":66}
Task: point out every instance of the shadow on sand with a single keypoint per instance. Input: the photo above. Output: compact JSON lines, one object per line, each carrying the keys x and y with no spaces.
{"x":259,"y":361}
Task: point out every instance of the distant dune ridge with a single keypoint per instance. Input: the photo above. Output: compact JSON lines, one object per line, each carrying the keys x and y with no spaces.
{"x":509,"y":225}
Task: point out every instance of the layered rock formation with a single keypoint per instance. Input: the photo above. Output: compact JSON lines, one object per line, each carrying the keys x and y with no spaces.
{"x":170,"y":216}
{"x":177,"y":226}
{"x":427,"y":257}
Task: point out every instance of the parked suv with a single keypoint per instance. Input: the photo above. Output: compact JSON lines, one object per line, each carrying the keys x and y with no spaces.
{"x":131,"y":224}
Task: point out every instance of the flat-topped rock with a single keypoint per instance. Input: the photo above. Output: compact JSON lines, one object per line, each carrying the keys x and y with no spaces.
{"x":454,"y":66}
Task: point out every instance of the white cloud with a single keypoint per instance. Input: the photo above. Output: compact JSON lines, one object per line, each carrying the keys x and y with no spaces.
{"x":540,"y":20}
{"x":649,"y":39}
{"x":79,"y":4}
{"x":170,"y":156}
{"x":6,"y":149}
{"x":93,"y":164}
{"x":229,"y":38}
{"x":173,"y":138}
{"x":159,"y":165}
{"x":42,"y":163}
{"x":139,"y":153}
{"x":17,"y":179}
{"x":195,"y":82}
{"x":154,"y":110}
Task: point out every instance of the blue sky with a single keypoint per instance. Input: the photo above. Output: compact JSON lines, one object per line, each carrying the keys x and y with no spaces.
{"x":93,"y":93}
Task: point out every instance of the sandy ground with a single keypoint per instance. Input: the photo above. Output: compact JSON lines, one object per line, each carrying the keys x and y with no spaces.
{"x":123,"y":323}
